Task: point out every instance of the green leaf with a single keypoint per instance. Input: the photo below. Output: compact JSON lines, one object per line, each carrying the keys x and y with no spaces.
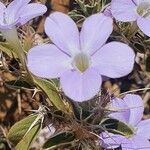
{"x":21,"y":133}
{"x":117,"y":127}
{"x":63,"y":137}
{"x":25,"y":143}
{"x":6,"y":48}
{"x":18,"y":84}
{"x":51,"y":91}
{"x":148,"y":64}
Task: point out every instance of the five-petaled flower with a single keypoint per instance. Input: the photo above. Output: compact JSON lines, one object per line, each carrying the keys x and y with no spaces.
{"x":18,"y":13}
{"x":79,"y":59}
{"x":133,"y":10}
{"x":130,"y":111}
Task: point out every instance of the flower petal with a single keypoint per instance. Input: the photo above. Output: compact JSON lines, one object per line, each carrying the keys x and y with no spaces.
{"x":110,"y":141}
{"x":114,"y":60}
{"x":144,"y":25}
{"x":2,"y":8}
{"x":144,"y":128}
{"x":135,"y":143}
{"x":81,"y":86}
{"x":47,"y":61}
{"x":124,"y":10}
{"x":63,"y":31}
{"x":30,"y":11}
{"x":13,"y":8}
{"x":95,"y":31}
{"x":136,"y":106}
{"x":123,"y":113}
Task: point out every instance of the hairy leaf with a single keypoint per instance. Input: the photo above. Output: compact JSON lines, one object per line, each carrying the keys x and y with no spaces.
{"x":20,"y":133}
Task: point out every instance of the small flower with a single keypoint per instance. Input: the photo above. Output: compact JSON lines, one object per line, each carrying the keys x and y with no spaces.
{"x":131,"y":112}
{"x":133,"y":10}
{"x":18,"y":13}
{"x":79,"y":59}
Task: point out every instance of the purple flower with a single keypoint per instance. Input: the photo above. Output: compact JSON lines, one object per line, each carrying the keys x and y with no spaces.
{"x":79,"y":59}
{"x":107,"y":11}
{"x":130,"y":111}
{"x":133,"y":10}
{"x":19,"y":12}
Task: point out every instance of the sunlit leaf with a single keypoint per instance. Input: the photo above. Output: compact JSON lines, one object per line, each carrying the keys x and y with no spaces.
{"x":51,"y":91}
{"x":20,"y":133}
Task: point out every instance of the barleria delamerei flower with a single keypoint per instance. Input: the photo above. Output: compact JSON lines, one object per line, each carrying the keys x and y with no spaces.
{"x":79,"y":59}
{"x":133,"y":10}
{"x":130,"y":111}
{"x":17,"y":13}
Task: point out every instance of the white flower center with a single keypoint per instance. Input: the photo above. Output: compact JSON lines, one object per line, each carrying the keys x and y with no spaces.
{"x":81,"y":62}
{"x":144,"y":9}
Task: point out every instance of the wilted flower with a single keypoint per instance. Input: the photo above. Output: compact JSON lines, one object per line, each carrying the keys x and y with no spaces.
{"x":133,"y":10}
{"x":130,"y":111}
{"x":18,"y":13}
{"x":79,"y":59}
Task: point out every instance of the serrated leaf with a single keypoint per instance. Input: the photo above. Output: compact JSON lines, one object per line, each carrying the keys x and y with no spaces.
{"x":52,"y":93}
{"x":19,"y":129}
{"x":117,"y":127}
{"x":59,"y":138}
{"x":18,"y":84}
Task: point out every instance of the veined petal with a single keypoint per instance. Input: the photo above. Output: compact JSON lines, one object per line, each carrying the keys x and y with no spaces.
{"x":47,"y":61}
{"x":144,"y":128}
{"x":144,"y":25}
{"x":122,"y":111}
{"x":114,"y":60}
{"x":95,"y":31}
{"x":81,"y":86}
{"x":31,"y":11}
{"x":124,"y":10}
{"x":63,"y":31}
{"x":136,"y":106}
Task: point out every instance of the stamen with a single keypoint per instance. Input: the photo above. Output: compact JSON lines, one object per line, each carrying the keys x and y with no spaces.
{"x":81,"y":62}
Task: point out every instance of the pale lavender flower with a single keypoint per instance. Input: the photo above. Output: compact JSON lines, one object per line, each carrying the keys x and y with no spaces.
{"x":19,"y":12}
{"x":107,"y":11}
{"x":130,"y":111}
{"x":79,"y":59}
{"x":133,"y":10}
